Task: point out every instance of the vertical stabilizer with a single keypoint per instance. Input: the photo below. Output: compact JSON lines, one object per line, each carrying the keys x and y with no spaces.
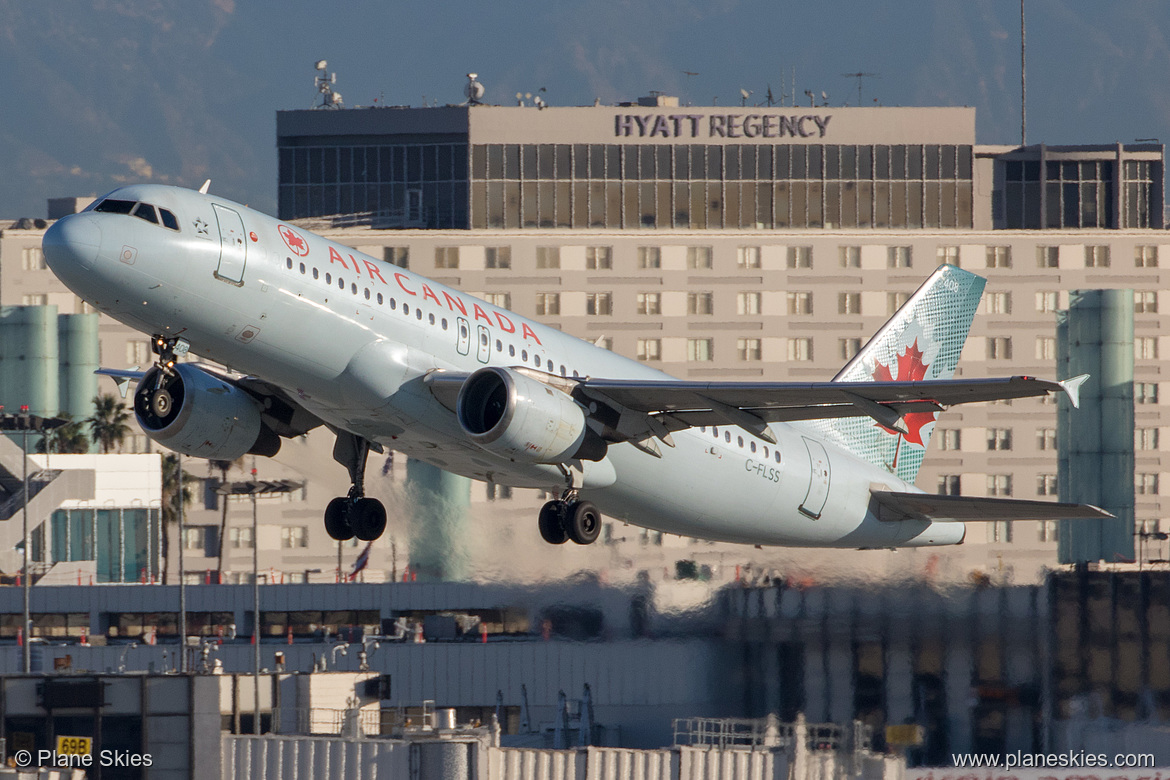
{"x":921,"y":341}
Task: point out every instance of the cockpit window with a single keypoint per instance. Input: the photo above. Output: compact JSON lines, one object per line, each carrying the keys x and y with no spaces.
{"x":146,"y":211}
{"x":112,"y":206}
{"x":142,"y":210}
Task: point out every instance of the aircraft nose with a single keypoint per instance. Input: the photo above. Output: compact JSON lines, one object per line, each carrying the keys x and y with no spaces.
{"x":74,"y":239}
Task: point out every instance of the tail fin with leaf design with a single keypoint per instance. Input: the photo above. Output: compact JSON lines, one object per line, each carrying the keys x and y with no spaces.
{"x":921,"y":341}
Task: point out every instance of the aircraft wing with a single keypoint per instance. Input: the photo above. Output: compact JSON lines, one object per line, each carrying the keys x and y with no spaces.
{"x":926,"y":506}
{"x":637,"y":410}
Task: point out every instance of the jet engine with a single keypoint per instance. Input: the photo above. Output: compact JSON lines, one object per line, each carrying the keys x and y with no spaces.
{"x":197,"y":413}
{"x":522,"y":419}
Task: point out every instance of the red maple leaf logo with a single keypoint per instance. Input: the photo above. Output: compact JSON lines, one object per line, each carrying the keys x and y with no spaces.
{"x":910,"y":369}
{"x":294,"y":241}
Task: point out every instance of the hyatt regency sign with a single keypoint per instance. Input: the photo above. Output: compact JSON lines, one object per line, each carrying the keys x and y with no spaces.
{"x":721,"y":125}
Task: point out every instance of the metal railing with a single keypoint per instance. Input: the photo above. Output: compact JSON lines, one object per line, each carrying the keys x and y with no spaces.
{"x":768,"y":732}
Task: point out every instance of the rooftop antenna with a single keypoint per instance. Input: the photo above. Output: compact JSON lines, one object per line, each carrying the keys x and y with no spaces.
{"x":824,"y":98}
{"x":1023,"y":81}
{"x":811,"y":98}
{"x":325,"y":82}
{"x":859,"y":76}
{"x":771,"y":100}
{"x":744,"y":94}
{"x":473,"y":90}
{"x":688,"y":74}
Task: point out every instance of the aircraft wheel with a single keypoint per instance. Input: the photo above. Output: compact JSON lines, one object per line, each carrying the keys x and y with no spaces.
{"x":367,"y":517}
{"x":552,"y":523}
{"x":337,"y":523}
{"x":583,"y":522}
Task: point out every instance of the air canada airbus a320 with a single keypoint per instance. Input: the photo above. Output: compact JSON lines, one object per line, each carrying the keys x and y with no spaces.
{"x":388,"y":359}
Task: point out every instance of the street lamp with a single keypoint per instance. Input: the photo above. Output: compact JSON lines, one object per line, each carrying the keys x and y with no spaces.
{"x":255,"y":487}
{"x":25,"y":422}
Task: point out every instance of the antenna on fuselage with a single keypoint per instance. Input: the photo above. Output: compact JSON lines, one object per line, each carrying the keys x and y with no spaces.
{"x":206,"y":186}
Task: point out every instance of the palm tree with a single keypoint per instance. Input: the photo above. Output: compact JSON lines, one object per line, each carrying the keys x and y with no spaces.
{"x":171,"y":496}
{"x":108,"y":425}
{"x":65,"y":439}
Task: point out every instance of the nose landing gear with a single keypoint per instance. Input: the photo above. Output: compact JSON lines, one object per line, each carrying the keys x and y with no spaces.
{"x":569,"y":518}
{"x":354,"y":514}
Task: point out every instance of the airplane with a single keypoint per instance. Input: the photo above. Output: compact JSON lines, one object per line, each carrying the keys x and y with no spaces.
{"x":316,"y":333}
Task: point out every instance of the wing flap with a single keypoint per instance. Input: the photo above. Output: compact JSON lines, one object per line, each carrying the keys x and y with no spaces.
{"x":894,"y":505}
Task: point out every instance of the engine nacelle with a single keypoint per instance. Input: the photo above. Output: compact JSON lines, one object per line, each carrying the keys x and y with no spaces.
{"x":197,"y":413}
{"x":520,"y":418}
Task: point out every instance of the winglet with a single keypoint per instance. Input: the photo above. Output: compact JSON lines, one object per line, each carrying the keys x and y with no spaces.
{"x":206,"y":186}
{"x":1072,"y":388}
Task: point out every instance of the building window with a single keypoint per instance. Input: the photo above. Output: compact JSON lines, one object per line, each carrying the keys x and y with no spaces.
{"x":294,"y":536}
{"x":999,"y":257}
{"x":137,"y":353}
{"x":699,"y":258}
{"x":1145,"y":256}
{"x":949,"y":439}
{"x":501,"y":299}
{"x":898,"y":257}
{"x":1145,"y":392}
{"x":598,"y":258}
{"x":1001,"y":531}
{"x":748,"y":303}
{"x":999,"y":348}
{"x":32,"y":259}
{"x":999,"y":484}
{"x":799,"y":257}
{"x":497,"y":257}
{"x":700,"y":350}
{"x":748,"y":349}
{"x":1145,"y":302}
{"x":34,"y":299}
{"x":798,"y":302}
{"x":495,"y":491}
{"x":949,"y":485}
{"x":849,"y":303}
{"x":800,"y":349}
{"x":1145,"y":484}
{"x":447,"y":257}
{"x":548,"y":304}
{"x":948,"y":255}
{"x":649,"y":257}
{"x":649,"y":349}
{"x":194,"y":537}
{"x":895,"y":301}
{"x":599,"y":303}
{"x":548,"y":257}
{"x":649,"y":303}
{"x":1048,"y":257}
{"x":397,"y":255}
{"x":847,"y":348}
{"x":700,"y":303}
{"x":1046,"y":484}
{"x":240,"y":538}
{"x":1145,"y":438}
{"x":1046,"y":348}
{"x":1097,"y":256}
{"x":850,"y":256}
{"x":1047,"y":301}
{"x":605,"y":342}
{"x":1048,"y":531}
{"x":1045,"y":438}
{"x":1146,"y":347}
{"x":747,"y":257}
{"x":999,"y":303}
{"x":999,"y":438}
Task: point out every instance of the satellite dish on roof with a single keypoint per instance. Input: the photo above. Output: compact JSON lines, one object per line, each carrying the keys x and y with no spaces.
{"x":473,"y":90}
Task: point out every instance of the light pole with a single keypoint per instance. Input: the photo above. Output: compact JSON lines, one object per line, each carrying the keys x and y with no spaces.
{"x":183,"y":666}
{"x":254,"y":488}
{"x":25,"y":422}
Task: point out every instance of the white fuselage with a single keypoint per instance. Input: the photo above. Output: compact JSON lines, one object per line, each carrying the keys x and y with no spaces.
{"x":351,"y":337}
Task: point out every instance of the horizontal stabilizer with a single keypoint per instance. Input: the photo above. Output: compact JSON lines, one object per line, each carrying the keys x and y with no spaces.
{"x":928,"y":506}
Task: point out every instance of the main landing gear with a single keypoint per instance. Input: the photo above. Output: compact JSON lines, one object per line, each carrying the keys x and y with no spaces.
{"x":569,"y":518}
{"x":354,"y":514}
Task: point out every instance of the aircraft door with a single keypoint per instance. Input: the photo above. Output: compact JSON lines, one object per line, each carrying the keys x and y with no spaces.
{"x":233,"y":248}
{"x":463,"y":334}
{"x":818,"y":485}
{"x":484,"y":350}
